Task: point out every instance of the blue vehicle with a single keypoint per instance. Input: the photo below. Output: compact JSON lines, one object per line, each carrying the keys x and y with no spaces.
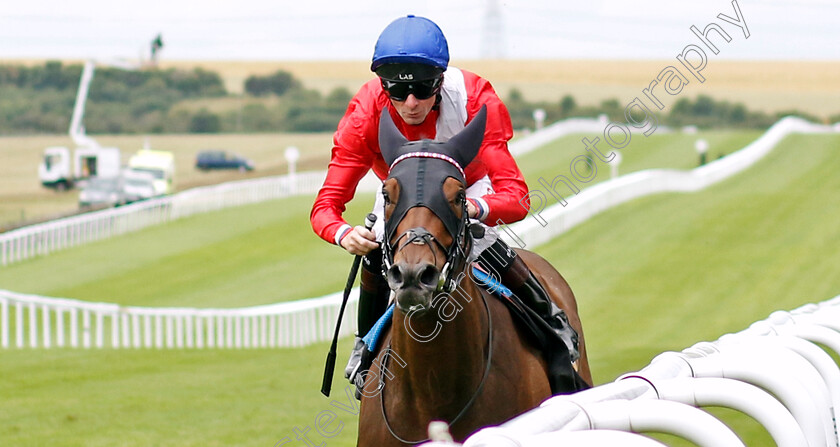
{"x":217,"y":159}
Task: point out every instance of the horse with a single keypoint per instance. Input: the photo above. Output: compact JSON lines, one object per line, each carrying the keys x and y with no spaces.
{"x":453,"y":353}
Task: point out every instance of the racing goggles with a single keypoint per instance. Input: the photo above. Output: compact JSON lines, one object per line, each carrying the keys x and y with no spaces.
{"x":399,"y":90}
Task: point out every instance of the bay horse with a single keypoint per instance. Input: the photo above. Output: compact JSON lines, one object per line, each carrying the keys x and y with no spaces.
{"x":453,"y":352}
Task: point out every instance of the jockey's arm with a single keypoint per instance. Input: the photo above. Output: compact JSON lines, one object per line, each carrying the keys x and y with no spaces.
{"x":350,"y":161}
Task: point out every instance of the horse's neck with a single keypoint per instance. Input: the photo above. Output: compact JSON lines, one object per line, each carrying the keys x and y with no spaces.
{"x":444,"y":350}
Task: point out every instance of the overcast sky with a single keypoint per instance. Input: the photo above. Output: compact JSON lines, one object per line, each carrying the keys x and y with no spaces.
{"x":347,"y":29}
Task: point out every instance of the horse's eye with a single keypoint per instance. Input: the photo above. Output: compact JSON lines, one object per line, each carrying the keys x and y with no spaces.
{"x":386,"y":197}
{"x":461,"y":197}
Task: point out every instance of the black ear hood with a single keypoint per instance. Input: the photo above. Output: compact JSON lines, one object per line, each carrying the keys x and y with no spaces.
{"x":391,"y":140}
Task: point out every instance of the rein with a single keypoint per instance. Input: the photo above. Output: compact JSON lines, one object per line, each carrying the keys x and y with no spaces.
{"x":468,"y":405}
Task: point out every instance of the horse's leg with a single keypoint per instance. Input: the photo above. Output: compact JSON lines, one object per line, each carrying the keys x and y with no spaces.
{"x":562,"y":294}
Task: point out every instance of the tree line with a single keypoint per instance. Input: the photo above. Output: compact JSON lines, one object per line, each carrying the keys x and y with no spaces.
{"x":39,"y":100}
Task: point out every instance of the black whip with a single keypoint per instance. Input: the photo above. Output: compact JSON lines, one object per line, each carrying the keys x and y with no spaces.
{"x":329,"y":368}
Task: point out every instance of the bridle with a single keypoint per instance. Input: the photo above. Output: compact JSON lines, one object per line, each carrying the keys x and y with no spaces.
{"x":456,"y":261}
{"x":456,"y":254}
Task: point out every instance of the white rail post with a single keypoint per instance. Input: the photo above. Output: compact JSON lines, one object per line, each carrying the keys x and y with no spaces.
{"x":237,"y":331}
{"x":19,"y":324}
{"x":170,"y":331}
{"x":272,"y":330}
{"x":125,"y":325}
{"x":283,"y":330}
{"x":263,"y":330}
{"x":99,"y":334}
{"x":136,"y":341}
{"x":115,"y":330}
{"x":247,"y":336}
{"x":221,"y":330}
{"x":148,"y":333}
{"x":199,"y":331}
{"x":188,"y":331}
{"x":159,"y":327}
{"x":179,"y":331}
{"x":229,"y":330}
{"x":59,"y":327}
{"x":86,"y":328}
{"x":4,"y":321}
{"x":211,"y":331}
{"x":33,"y":326}
{"x":45,"y":320}
{"x":74,"y":327}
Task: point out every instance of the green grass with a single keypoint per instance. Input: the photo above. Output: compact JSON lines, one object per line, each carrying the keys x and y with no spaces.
{"x":659,"y":273}
{"x":165,"y":398}
{"x":660,"y":150}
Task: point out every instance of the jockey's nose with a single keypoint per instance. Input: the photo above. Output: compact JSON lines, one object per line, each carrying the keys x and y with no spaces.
{"x":422,"y":276}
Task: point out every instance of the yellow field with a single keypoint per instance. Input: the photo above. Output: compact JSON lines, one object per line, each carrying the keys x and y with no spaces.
{"x":770,"y":86}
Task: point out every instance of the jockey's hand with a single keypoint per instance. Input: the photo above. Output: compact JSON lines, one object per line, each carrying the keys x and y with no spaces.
{"x":359,"y":241}
{"x":472,"y":211}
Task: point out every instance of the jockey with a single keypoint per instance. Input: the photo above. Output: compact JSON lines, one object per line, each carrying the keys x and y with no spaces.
{"x":427,"y":99}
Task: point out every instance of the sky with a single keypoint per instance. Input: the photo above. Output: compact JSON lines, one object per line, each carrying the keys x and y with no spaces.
{"x":278,"y":30}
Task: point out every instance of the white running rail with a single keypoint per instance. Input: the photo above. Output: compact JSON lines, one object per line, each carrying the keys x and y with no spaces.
{"x":774,"y":371}
{"x":29,"y":321}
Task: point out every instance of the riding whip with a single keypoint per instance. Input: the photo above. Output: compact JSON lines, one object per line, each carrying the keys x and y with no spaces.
{"x":329,"y":368}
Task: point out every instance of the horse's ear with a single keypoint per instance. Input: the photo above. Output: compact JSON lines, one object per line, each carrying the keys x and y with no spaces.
{"x":390,"y":138}
{"x":464,"y":146}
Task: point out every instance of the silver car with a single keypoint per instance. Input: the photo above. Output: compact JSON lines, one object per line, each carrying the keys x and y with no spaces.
{"x":102,"y":192}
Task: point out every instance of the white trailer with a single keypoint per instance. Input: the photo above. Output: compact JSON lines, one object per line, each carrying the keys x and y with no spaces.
{"x":58,"y":170}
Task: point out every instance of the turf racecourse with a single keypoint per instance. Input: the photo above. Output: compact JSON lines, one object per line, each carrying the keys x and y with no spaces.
{"x":655,"y":274}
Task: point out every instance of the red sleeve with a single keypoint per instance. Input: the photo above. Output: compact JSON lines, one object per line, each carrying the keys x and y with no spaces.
{"x":355,"y":151}
{"x":507,"y":180}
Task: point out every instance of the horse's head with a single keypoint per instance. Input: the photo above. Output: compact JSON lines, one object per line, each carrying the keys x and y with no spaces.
{"x":426,"y":222}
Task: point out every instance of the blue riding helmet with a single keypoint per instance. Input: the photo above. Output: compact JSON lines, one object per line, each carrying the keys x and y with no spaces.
{"x":411,"y":40}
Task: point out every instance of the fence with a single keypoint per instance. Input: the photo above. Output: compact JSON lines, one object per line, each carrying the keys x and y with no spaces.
{"x":774,"y":371}
{"x":41,"y":321}
{"x":34,"y":321}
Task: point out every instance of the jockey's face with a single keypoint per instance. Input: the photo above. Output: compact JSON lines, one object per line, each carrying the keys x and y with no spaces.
{"x":414,"y":111}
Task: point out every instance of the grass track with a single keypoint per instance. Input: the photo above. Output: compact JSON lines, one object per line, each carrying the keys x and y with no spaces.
{"x":256,"y":254}
{"x":659,"y":273}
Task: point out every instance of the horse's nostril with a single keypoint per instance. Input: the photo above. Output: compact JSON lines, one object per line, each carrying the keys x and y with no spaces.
{"x":395,"y":276}
{"x":429,"y":275}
